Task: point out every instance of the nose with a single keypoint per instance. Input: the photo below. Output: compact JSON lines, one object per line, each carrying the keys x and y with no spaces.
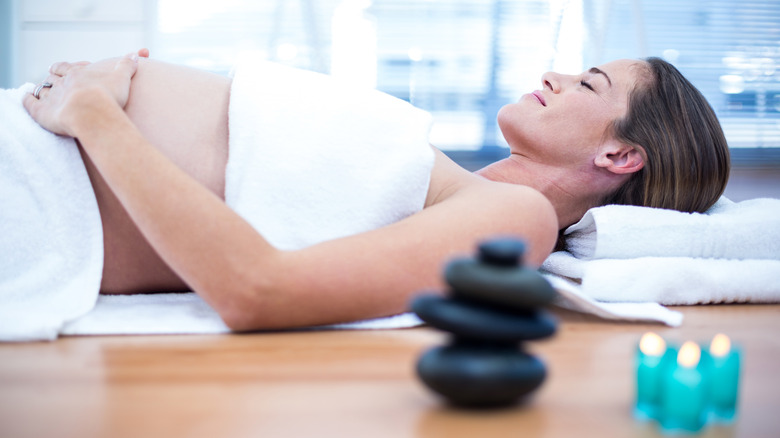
{"x":552,"y":81}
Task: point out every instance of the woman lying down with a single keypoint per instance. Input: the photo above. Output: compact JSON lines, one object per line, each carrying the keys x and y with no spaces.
{"x":175,"y":197}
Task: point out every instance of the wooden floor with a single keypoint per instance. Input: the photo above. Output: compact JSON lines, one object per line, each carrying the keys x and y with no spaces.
{"x":356,"y":384}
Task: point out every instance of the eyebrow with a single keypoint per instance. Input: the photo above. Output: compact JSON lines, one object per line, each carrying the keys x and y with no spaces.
{"x":595,"y":70}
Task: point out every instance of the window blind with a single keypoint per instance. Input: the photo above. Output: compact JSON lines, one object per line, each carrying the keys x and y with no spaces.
{"x":463,"y":59}
{"x":729,"y":49}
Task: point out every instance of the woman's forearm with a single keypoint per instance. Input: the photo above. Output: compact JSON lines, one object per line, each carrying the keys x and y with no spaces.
{"x":200,"y":238}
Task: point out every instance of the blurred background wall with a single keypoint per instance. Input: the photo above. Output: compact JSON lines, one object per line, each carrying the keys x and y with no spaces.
{"x":459,"y":59}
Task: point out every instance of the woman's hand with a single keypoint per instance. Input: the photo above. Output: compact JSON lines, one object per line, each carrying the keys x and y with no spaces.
{"x":78,"y":89}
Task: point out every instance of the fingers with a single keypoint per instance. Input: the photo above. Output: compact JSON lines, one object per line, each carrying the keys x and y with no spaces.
{"x":30,"y":104}
{"x":62,"y":68}
{"x":44,"y":113}
{"x":53,"y":79}
{"x":128,"y":64}
{"x":43,"y":88}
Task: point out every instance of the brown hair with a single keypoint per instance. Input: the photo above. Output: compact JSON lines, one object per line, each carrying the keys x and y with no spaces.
{"x":686,"y":155}
{"x":685,"y":152}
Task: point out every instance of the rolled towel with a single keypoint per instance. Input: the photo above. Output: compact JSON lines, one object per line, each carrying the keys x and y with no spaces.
{"x":730,"y":230}
{"x":51,"y":237}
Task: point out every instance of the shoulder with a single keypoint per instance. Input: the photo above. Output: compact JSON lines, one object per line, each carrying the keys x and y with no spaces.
{"x":477,"y":206}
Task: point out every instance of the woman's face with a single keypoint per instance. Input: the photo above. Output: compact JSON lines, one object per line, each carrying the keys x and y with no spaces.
{"x":566,"y":122}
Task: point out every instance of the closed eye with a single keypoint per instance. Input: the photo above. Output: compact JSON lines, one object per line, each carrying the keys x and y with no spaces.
{"x":586,"y":85}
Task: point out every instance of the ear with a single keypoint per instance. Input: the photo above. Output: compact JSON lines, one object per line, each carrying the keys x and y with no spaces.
{"x":620,"y":158}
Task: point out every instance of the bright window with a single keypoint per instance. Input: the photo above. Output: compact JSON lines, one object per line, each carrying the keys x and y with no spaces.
{"x":463,"y":59}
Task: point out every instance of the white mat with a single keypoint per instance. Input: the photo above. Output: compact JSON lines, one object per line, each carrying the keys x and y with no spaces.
{"x":187,"y":313}
{"x":184,"y":313}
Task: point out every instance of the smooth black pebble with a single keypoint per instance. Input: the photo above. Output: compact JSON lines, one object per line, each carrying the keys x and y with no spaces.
{"x":502,"y":252}
{"x":480,"y":375}
{"x":480,"y":322}
{"x":513,"y":286}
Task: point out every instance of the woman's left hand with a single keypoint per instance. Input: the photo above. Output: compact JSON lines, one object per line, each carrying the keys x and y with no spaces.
{"x":76,"y":88}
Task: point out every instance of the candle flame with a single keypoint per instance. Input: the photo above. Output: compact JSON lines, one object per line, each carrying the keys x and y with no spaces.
{"x":652,"y":345}
{"x":689,"y":355}
{"x":720,"y":346}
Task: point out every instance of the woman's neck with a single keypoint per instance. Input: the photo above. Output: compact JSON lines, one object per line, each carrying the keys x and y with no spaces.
{"x":571,"y":191}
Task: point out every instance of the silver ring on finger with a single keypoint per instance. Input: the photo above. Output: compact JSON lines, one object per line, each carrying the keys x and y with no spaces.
{"x":37,"y":91}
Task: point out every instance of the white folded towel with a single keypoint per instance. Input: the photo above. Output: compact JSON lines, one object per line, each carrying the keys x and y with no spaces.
{"x":627,"y":254}
{"x":730,"y":230}
{"x":51,"y":238}
{"x":671,"y":280}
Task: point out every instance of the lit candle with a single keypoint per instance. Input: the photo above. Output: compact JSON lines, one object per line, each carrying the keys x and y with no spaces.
{"x":683,"y":392}
{"x":725,"y":363}
{"x":651,"y":365}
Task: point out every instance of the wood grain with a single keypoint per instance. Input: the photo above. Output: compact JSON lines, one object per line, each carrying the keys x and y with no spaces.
{"x":356,"y":383}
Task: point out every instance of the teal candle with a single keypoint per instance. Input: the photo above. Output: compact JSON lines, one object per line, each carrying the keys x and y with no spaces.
{"x":724,"y":383}
{"x":651,"y":360}
{"x":684,"y":392}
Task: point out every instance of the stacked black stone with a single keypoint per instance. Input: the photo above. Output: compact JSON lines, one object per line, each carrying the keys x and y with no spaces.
{"x":495,"y":304}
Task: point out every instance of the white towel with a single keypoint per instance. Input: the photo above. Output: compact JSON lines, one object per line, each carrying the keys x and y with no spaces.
{"x":570,"y":296}
{"x":628,"y":254}
{"x":51,"y":237}
{"x":671,"y":280}
{"x":184,"y":313}
{"x":312,"y":158}
{"x":730,"y":230}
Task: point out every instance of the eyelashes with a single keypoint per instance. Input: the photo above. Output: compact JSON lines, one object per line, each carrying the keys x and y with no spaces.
{"x":586,"y":85}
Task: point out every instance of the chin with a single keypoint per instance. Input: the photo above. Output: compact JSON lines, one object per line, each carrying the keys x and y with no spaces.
{"x":508,"y":119}
{"x":513,"y":125}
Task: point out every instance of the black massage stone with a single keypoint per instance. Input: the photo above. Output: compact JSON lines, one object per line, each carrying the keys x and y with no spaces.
{"x":494,"y":304}
{"x":480,"y":375}
{"x":476,"y":321}
{"x":512,"y":286}
{"x":502,"y":252}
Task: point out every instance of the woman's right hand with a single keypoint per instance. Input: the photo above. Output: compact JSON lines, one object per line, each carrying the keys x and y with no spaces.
{"x":76,"y":88}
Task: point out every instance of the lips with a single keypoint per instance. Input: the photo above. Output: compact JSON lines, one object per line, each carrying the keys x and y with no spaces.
{"x":538,"y":95}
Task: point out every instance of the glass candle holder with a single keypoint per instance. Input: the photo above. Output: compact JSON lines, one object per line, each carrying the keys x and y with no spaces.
{"x":684,"y":391}
{"x":724,"y":363}
{"x":651,"y":364}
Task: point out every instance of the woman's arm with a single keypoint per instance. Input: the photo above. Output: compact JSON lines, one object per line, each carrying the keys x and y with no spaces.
{"x":248,"y":282}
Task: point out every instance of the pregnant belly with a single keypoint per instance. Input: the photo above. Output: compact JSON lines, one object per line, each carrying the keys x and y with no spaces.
{"x":182,"y":112}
